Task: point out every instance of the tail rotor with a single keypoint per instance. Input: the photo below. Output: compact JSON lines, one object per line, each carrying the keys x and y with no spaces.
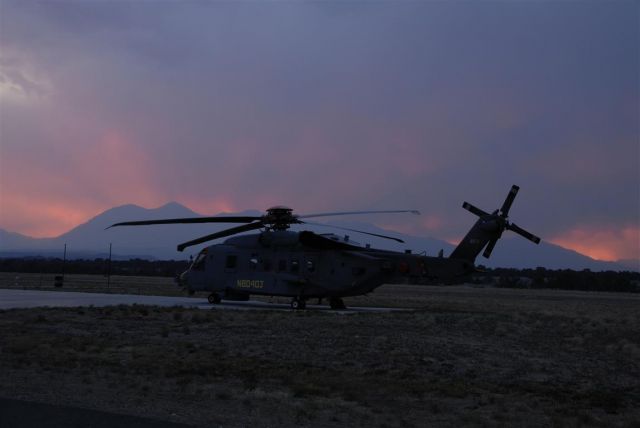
{"x":489,"y":228}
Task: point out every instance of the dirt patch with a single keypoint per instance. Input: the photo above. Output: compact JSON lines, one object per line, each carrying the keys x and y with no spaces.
{"x":464,"y":356}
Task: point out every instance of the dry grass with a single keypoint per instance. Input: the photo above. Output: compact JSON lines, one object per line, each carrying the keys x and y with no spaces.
{"x":464,"y":357}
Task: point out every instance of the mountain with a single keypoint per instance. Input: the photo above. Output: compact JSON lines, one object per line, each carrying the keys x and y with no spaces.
{"x":91,"y":240}
{"x":17,"y":241}
{"x":630,"y":264}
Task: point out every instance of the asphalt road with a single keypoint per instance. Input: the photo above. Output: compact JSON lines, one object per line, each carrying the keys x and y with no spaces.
{"x":12,"y":298}
{"x":27,"y":414}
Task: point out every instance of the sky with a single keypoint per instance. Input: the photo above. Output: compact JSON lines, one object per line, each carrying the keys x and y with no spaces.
{"x":326,"y":106}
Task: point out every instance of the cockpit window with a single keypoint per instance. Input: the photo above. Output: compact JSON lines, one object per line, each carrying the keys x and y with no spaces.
{"x":231,"y":261}
{"x":198,"y":263}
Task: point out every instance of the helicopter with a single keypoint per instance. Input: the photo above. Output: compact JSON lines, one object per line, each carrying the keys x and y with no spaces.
{"x":305,"y":265}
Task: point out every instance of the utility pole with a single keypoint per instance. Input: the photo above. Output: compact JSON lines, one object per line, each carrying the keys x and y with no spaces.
{"x":109,"y":268}
{"x":58,"y":280}
{"x":64,"y":260}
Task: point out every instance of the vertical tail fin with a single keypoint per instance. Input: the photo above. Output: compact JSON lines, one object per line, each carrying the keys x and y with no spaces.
{"x":488,"y":229}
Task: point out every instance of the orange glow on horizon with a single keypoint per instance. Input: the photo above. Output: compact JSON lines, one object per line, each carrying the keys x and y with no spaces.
{"x":41,"y":202}
{"x":605,"y":244}
{"x":47,"y":219}
{"x":453,"y":241}
{"x":50,"y":220}
{"x":602,"y":244}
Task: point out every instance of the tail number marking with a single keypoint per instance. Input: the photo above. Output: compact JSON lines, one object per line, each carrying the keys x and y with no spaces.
{"x":249,"y":283}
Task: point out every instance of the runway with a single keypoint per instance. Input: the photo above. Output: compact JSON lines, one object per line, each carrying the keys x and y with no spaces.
{"x":13,"y":299}
{"x":28,"y":414}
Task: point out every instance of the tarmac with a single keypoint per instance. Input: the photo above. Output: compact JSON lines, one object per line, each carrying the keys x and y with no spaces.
{"x":13,"y":299}
{"x":28,"y":414}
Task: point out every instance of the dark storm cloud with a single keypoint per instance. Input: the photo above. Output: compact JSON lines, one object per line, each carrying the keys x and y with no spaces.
{"x":342,"y":105}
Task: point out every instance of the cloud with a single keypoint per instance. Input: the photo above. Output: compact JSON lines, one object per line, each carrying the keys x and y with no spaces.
{"x":114,"y":170}
{"x":15,"y":80}
{"x":67,"y":188}
{"x":226,"y":107}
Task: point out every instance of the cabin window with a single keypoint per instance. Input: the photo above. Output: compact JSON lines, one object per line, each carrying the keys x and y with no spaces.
{"x":266,"y":265}
{"x":311,"y":266}
{"x":423,"y":269}
{"x":282,"y":265}
{"x":358,"y":271}
{"x":403,"y":268}
{"x":295,"y":265}
{"x":231,"y":262}
{"x":253,"y":262}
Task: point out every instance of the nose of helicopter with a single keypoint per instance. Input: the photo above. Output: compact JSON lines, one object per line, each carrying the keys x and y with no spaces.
{"x":185,"y":283}
{"x":183,"y":279}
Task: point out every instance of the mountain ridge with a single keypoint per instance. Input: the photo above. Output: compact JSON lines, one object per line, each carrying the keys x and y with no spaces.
{"x":92,"y":238}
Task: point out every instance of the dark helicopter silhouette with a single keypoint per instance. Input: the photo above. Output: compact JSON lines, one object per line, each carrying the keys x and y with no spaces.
{"x":304,"y":265}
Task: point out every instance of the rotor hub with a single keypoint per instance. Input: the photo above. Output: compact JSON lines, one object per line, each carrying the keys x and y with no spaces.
{"x":279,"y":218}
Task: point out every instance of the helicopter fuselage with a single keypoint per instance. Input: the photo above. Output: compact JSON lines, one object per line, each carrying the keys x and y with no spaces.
{"x":307,"y":265}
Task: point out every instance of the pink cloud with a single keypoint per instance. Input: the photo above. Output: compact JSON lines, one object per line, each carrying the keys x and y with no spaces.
{"x":40,"y":217}
{"x":48,"y":193}
{"x":114,"y":170}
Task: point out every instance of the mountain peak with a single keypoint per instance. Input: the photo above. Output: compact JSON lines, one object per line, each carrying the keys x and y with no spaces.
{"x":170,"y":209}
{"x":172,"y":205}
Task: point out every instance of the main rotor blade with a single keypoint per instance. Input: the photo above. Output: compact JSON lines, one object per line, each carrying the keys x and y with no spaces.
{"x":489,"y":249}
{"x":520,"y":231}
{"x":475,"y":210}
{"x":222,"y":234}
{"x":358,"y":212}
{"x":506,"y":206}
{"x":231,"y":219}
{"x":354,"y":230}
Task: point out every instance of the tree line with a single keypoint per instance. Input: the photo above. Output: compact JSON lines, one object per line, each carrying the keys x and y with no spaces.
{"x":565,"y":279}
{"x":133,"y":267}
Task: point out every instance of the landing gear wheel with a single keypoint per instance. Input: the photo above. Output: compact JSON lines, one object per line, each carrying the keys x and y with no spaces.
{"x":336,"y":303}
{"x":298,"y":303}
{"x":214,"y":298}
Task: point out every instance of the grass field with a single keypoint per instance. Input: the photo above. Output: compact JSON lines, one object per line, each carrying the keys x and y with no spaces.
{"x":463,"y":356}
